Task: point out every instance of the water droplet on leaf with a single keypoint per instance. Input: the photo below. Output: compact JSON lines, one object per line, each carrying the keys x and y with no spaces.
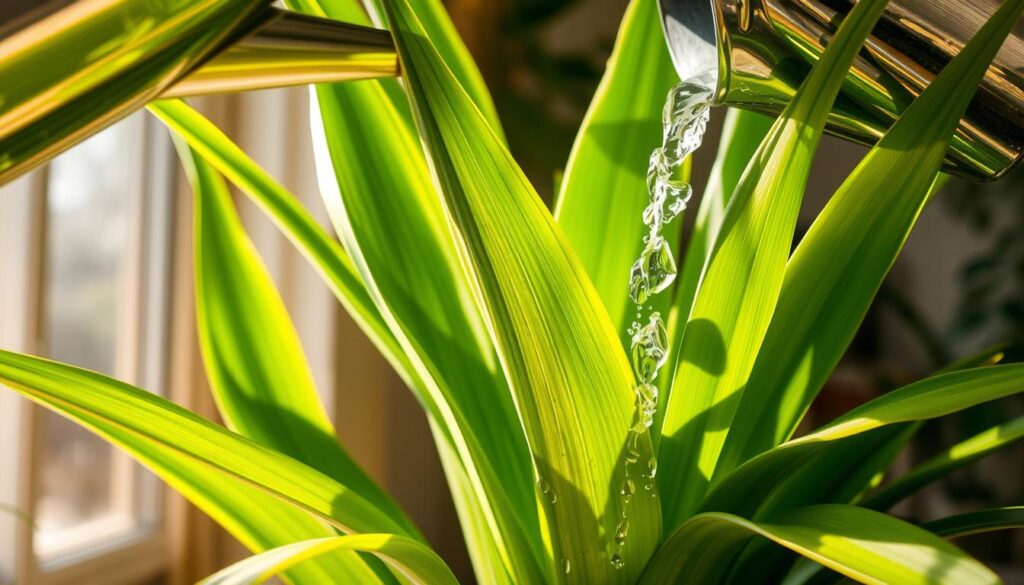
{"x":621,"y":532}
{"x":627,"y":490}
{"x":546,"y":491}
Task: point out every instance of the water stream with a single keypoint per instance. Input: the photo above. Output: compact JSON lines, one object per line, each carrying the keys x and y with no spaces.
{"x":684,"y":121}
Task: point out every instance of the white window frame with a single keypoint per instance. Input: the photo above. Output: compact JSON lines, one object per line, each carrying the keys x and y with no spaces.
{"x":124,"y":558}
{"x":272,"y":126}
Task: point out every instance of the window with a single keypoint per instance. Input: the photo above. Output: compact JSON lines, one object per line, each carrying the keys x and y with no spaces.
{"x":87,"y":247}
{"x":84,"y":252}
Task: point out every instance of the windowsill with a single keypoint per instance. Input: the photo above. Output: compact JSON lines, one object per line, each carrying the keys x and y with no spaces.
{"x":88,"y":539}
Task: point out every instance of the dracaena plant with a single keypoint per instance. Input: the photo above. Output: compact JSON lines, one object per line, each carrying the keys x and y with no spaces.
{"x":507,"y":323}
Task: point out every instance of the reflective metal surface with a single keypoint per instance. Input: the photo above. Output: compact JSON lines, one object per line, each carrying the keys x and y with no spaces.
{"x":69,"y":68}
{"x":760,"y":50}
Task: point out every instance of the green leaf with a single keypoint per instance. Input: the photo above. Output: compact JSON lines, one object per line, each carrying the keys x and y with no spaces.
{"x":864,"y":545}
{"x":740,"y":285}
{"x":139,"y":416}
{"x":805,"y":572}
{"x":562,"y":356}
{"x":260,"y":380}
{"x":323,"y":252}
{"x":403,"y":249}
{"x":257,"y":519}
{"x":351,"y":11}
{"x":364,"y":149}
{"x":441,"y":32}
{"x":845,"y":470}
{"x":440,"y":29}
{"x":373,"y":150}
{"x":989,"y":356}
{"x":840,"y":263}
{"x":835,"y":475}
{"x":978,"y":522}
{"x":743,"y":490}
{"x":604,"y":189}
{"x":418,"y":563}
{"x":839,"y":473}
{"x":742,"y":133}
{"x":485,"y":551}
{"x":950,"y":460}
{"x":451,"y":385}
{"x":424,"y":296}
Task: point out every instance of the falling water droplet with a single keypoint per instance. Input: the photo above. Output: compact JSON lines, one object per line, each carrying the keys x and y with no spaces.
{"x":647,"y":404}
{"x":617,"y":561}
{"x":566,"y":566}
{"x":632,"y":449}
{"x":658,"y":166}
{"x":678,"y":196}
{"x":621,"y":532}
{"x":653,"y":213}
{"x":652,"y":471}
{"x":658,"y":265}
{"x":639,"y":288}
{"x":649,"y":350}
{"x":632,"y":456}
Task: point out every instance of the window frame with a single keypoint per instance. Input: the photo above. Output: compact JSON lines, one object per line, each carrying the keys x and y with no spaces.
{"x":125,"y":557}
{"x":188,"y":545}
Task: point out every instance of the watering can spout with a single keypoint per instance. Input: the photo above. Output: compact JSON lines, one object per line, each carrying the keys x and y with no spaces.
{"x":757,"y":52}
{"x":69,"y":68}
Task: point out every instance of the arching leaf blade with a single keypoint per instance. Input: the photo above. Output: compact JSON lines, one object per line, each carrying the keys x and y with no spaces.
{"x":863,"y":545}
{"x":379,"y":120}
{"x":946,"y":462}
{"x":323,"y":251}
{"x":977,"y":522}
{"x":742,"y":491}
{"x":417,"y":562}
{"x":561,"y":354}
{"x":258,"y":373}
{"x":742,"y":133}
{"x":152,"y":419}
{"x":257,"y":519}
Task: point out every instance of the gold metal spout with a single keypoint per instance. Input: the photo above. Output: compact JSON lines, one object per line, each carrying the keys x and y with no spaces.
{"x":757,"y":52}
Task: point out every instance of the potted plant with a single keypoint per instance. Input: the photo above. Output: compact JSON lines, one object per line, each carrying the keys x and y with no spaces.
{"x":507,"y":322}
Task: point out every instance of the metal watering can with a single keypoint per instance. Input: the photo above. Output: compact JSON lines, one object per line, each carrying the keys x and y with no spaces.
{"x":69,"y":68}
{"x":758,"y":52}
